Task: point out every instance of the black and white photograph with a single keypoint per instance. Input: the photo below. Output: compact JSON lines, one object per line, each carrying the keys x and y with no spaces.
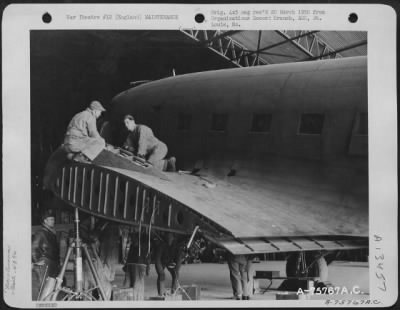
{"x":239,"y":157}
{"x":230,"y":166}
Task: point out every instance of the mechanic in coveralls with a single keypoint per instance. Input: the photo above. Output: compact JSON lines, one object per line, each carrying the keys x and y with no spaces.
{"x":142,"y":142}
{"x":82,"y":140}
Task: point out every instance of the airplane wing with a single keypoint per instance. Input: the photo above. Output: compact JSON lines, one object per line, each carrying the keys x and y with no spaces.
{"x":244,"y":215}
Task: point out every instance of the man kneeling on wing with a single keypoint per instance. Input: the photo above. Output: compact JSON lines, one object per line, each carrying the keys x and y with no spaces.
{"x":142,"y":142}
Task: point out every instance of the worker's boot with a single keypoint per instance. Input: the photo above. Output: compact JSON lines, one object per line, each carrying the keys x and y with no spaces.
{"x":171,"y":164}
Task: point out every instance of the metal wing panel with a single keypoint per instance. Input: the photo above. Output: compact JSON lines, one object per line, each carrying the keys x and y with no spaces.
{"x":249,"y":209}
{"x":123,"y":196}
{"x":273,"y":245}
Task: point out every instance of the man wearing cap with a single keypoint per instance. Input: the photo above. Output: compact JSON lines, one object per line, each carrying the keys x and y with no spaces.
{"x":82,"y":140}
{"x":142,"y":142}
{"x":45,"y":252}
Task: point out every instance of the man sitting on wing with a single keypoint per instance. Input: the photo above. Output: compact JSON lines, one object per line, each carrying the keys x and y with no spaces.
{"x":142,"y":142}
{"x":82,"y":140}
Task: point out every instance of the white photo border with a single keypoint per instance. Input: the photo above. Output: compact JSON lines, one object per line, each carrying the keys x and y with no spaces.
{"x":19,"y":19}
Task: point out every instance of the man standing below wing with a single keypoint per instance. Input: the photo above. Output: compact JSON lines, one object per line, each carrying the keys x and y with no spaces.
{"x":45,"y":253}
{"x":239,"y":269}
{"x":168,"y":254}
{"x":142,"y":142}
{"x":82,"y":140}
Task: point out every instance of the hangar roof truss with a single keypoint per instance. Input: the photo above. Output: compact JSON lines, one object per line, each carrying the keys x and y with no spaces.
{"x":254,"y":48}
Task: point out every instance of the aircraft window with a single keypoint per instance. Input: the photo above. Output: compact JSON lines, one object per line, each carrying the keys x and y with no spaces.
{"x":362,"y":126}
{"x":184,"y":122}
{"x":219,"y":122}
{"x":261,"y":123}
{"x":311,"y":123}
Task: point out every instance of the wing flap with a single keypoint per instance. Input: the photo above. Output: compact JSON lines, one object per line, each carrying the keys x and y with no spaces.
{"x":273,"y":245}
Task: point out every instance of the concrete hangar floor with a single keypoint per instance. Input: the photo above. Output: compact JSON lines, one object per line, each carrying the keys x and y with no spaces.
{"x":214,"y":283}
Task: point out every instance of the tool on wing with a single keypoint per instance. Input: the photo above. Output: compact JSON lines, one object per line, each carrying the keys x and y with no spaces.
{"x":119,"y":158}
{"x":136,"y":159}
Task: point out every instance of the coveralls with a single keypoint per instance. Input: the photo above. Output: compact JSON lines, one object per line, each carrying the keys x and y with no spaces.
{"x":82,"y":135}
{"x":239,"y":267}
{"x":44,"y":248}
{"x":143,"y":142}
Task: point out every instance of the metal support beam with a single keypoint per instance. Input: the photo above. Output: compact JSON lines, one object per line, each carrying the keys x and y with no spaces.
{"x":316,"y":50}
{"x":348,"y":47}
{"x":302,"y":34}
{"x":258,"y":45}
{"x":222,"y":35}
{"x":221,"y":43}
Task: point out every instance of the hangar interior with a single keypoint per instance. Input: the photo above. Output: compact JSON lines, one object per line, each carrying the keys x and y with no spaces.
{"x":71,"y":68}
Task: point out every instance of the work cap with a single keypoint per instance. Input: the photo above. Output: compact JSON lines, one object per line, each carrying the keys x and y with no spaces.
{"x":47,"y":213}
{"x":96,"y":105}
